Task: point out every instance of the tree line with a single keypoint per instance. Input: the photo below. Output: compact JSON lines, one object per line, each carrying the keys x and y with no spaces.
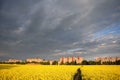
{"x":84,"y":62}
{"x":33,"y":62}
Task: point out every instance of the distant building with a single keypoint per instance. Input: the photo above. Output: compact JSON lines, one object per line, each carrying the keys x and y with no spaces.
{"x":30,"y":60}
{"x":13,"y":60}
{"x":34,"y":60}
{"x":70,"y":59}
{"x":106,"y":59}
{"x":118,"y":58}
{"x":51,"y":62}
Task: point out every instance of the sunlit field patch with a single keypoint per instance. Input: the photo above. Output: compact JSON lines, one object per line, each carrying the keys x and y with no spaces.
{"x":58,"y":72}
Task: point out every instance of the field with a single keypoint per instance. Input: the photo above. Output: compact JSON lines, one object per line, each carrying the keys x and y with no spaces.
{"x":58,"y":72}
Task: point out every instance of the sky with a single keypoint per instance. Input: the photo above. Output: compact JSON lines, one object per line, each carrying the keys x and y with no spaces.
{"x":51,"y":29}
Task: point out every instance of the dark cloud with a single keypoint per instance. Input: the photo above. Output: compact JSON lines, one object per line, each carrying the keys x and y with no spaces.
{"x":52,"y":28}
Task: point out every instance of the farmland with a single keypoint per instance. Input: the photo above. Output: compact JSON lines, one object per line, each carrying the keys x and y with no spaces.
{"x":58,"y":72}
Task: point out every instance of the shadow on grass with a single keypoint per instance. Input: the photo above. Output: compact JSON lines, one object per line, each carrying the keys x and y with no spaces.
{"x":78,"y":75}
{"x":7,"y":66}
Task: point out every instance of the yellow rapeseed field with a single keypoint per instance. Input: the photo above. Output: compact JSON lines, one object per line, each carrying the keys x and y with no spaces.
{"x":58,"y":72}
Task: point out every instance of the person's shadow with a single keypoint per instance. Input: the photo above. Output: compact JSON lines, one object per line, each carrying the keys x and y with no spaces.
{"x":78,"y":75}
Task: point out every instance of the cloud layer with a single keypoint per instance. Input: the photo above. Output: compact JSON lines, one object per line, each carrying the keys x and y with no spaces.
{"x":54,"y":28}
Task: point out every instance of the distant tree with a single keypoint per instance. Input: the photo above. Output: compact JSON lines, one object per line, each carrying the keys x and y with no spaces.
{"x":55,"y":63}
{"x":106,"y":63}
{"x":73,"y":63}
{"x":84,"y":62}
{"x":34,"y":62}
{"x":46,"y":63}
{"x":67,"y":63}
{"x":118,"y":62}
{"x":92,"y":63}
{"x":113,"y":63}
{"x":17,"y":62}
{"x":1,"y":62}
{"x":98,"y":63}
{"x":62,"y":63}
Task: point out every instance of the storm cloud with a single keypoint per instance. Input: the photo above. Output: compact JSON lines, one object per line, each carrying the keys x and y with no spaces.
{"x":53,"y":28}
